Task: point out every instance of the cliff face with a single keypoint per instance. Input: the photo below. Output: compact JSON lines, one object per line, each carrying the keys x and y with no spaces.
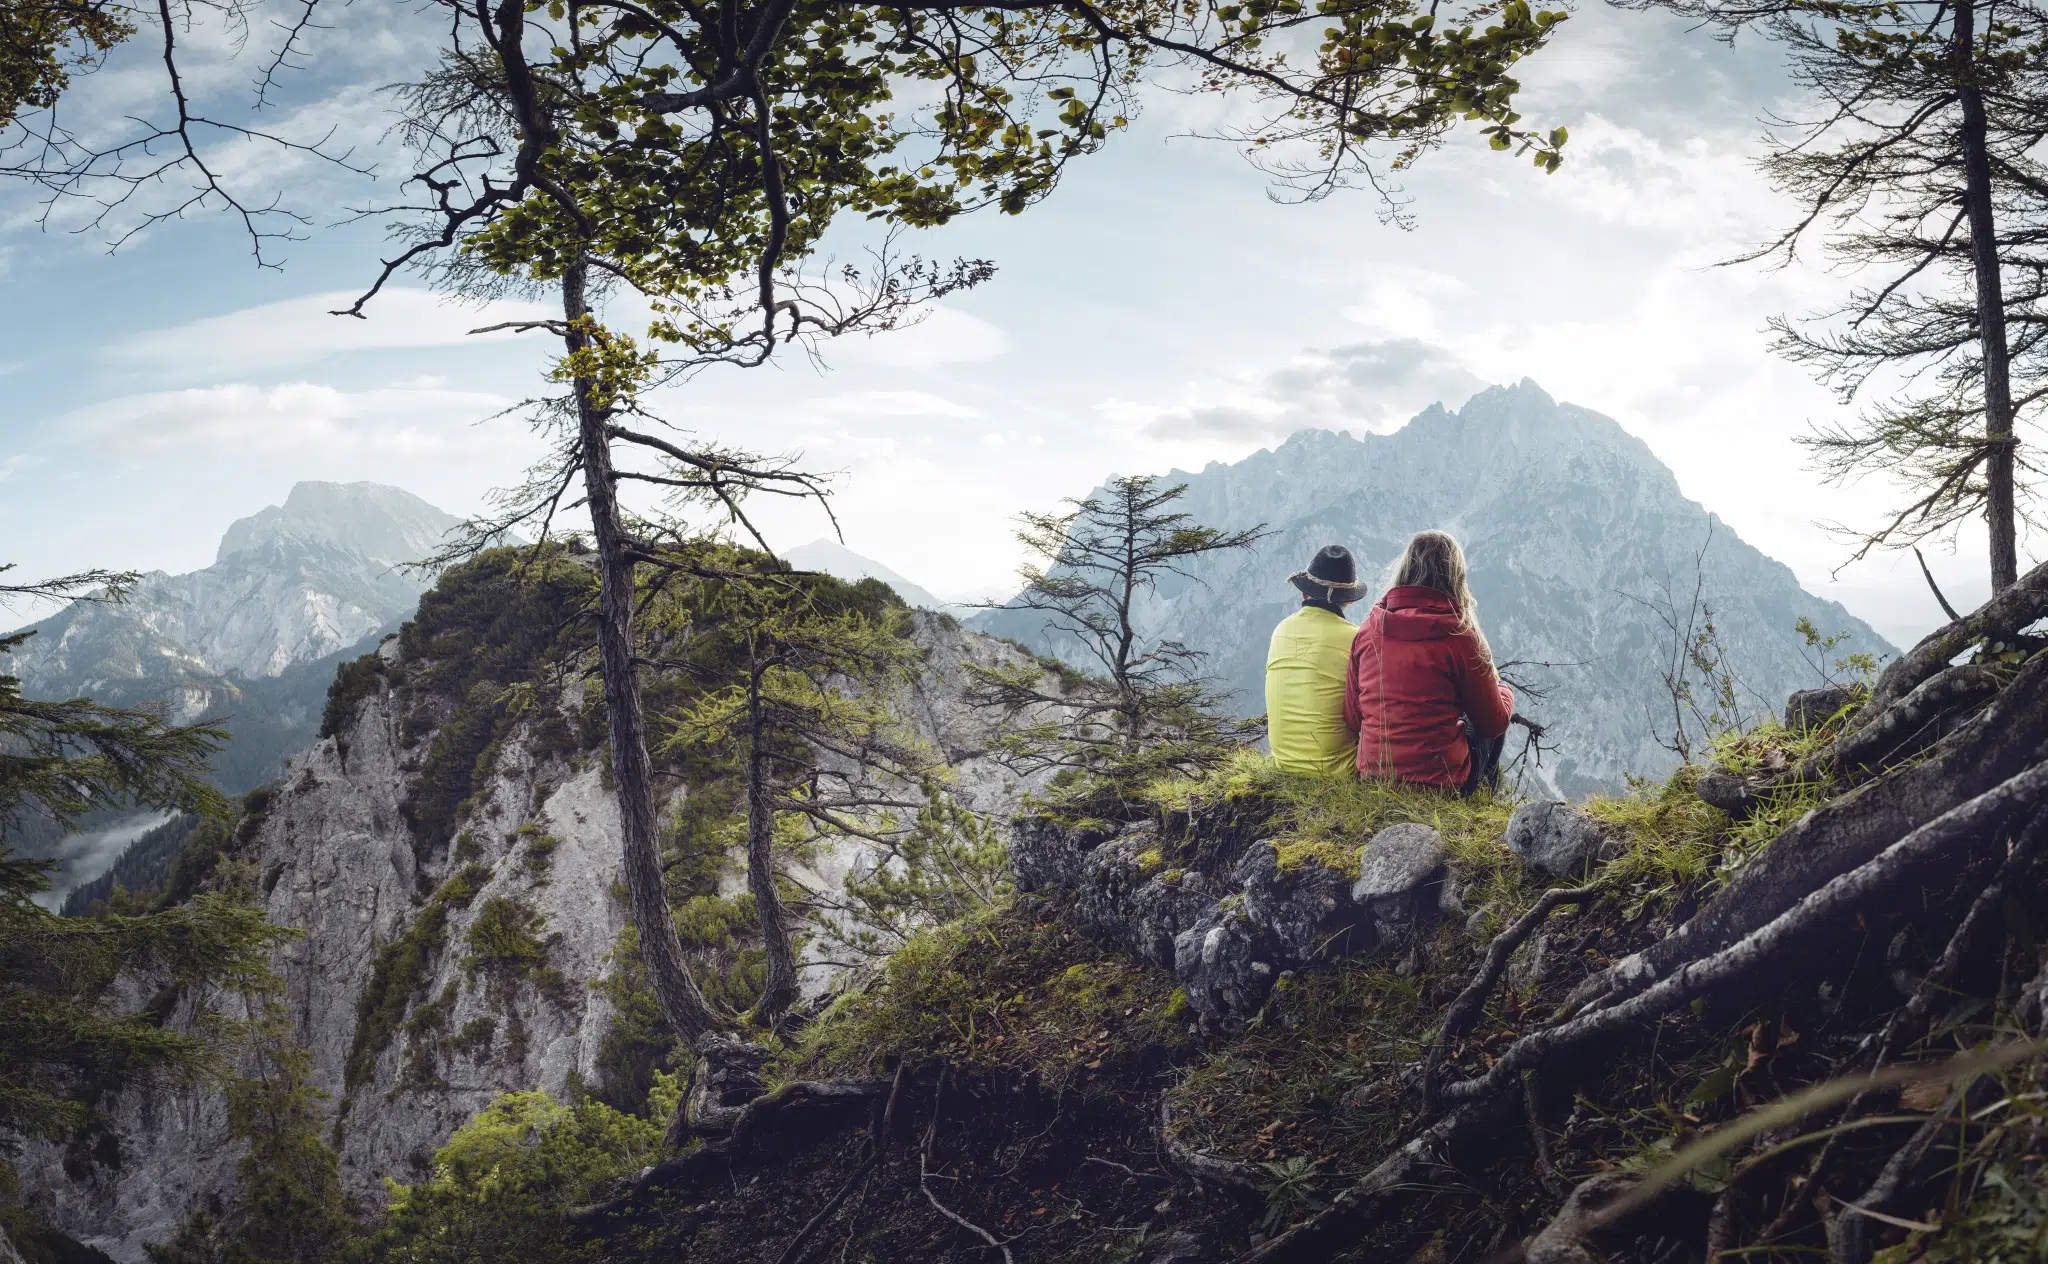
{"x":408,"y":1052}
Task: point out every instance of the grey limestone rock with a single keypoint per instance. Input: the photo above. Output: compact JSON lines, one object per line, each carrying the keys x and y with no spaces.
{"x":1309,"y":909}
{"x":1226,"y":964}
{"x":1554,"y":838}
{"x":1401,"y":874}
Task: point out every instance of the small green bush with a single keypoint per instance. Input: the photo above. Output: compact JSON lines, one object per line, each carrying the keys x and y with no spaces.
{"x":500,"y":1188}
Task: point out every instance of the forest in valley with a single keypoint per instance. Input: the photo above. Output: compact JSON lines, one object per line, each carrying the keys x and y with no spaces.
{"x":647,"y":898}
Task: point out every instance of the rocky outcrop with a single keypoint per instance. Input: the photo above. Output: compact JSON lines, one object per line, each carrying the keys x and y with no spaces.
{"x":406,"y":1058}
{"x":1228,"y":916}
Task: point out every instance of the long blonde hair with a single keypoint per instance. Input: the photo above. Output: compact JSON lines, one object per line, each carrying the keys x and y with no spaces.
{"x":1434,"y":560}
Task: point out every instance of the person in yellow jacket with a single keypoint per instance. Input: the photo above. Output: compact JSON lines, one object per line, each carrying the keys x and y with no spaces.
{"x":1305,"y":670}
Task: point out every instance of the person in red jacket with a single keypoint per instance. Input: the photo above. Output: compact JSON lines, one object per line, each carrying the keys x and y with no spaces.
{"x":1421,"y":690}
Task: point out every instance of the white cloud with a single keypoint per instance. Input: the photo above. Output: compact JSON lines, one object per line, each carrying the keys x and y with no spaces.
{"x":946,"y":336}
{"x":300,"y":330}
{"x":304,"y":419}
{"x":894,"y":404}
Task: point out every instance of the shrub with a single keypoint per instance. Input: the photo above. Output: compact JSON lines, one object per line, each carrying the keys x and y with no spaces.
{"x":500,"y":1187}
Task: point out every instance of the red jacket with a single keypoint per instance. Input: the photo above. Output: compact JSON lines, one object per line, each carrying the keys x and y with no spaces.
{"x":1413,"y":672}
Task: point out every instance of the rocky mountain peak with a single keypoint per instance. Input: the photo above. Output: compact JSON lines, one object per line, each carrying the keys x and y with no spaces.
{"x":382,"y":523}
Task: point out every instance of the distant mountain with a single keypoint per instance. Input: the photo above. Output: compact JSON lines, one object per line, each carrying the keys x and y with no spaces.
{"x":1570,"y":524}
{"x":840,"y":562}
{"x":251,"y":641}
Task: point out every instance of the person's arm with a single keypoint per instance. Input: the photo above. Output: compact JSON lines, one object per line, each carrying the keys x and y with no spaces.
{"x":1481,"y":693}
{"x":1352,"y":717}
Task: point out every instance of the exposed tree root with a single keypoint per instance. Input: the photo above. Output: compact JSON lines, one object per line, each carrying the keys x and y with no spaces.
{"x":878,"y":1137}
{"x":1865,"y":747}
{"x":783,"y":1110}
{"x":1839,"y":837}
{"x":2012,"y":609}
{"x":1463,"y":1011}
{"x":1567,"y":1239}
{"x":1375,"y":1196}
{"x":1197,"y":1165}
{"x":1797,"y":935}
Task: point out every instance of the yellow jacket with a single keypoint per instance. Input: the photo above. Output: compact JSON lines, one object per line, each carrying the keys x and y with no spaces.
{"x":1305,"y":669}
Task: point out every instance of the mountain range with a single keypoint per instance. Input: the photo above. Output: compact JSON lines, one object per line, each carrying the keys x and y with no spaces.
{"x":1579,"y":542}
{"x":251,"y":641}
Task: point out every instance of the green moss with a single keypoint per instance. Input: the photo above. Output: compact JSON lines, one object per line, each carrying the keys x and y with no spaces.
{"x":1292,"y":853}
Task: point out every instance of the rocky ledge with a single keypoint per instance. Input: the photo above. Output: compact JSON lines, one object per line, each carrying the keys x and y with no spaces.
{"x":1228,"y":903}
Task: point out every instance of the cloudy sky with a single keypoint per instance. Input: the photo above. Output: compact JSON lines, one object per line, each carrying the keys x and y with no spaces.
{"x":1160,"y":311}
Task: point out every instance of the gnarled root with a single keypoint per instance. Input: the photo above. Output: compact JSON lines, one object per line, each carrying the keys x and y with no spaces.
{"x":787,"y":1108}
{"x":1800,"y":933}
{"x":1464,"y":1010}
{"x":1567,"y":1239}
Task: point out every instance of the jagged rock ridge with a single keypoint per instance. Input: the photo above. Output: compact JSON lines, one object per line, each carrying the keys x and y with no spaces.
{"x":1568,"y":521}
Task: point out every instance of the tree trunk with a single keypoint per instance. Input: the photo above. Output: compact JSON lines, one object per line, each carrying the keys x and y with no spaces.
{"x":1998,"y":412}
{"x":779,"y":992}
{"x":632,"y":772}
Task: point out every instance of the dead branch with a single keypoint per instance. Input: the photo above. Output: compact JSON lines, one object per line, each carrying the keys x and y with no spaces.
{"x":1463,"y":1011}
{"x":1935,"y":588}
{"x":1198,"y":1165}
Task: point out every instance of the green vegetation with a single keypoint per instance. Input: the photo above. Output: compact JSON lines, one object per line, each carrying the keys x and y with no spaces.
{"x":505,"y":946}
{"x":539,"y":854}
{"x":63,"y":1041}
{"x":499,"y":1188}
{"x":398,"y":976}
{"x":1011,"y":987}
{"x":354,"y":681}
{"x":289,"y":1208}
{"x":492,"y":637}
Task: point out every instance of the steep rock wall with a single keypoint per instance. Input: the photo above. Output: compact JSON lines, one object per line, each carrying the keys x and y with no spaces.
{"x":335,"y":860}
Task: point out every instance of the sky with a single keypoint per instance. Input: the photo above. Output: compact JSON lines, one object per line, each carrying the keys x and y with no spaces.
{"x":1161,"y":310}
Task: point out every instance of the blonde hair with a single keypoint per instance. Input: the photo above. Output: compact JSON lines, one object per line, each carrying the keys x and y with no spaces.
{"x":1434,"y":560}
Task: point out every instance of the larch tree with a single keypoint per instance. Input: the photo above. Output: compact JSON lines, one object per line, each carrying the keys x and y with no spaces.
{"x":1151,"y":709}
{"x":1920,"y":167}
{"x":694,"y":155}
{"x":810,"y":667}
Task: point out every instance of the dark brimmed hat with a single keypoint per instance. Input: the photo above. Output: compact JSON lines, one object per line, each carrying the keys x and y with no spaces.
{"x":1331,"y":576}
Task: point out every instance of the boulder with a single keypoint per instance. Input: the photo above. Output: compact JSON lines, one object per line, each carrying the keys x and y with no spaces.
{"x":1401,"y":872}
{"x":1308,"y":909}
{"x":1554,"y":837}
{"x":1808,"y":707}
